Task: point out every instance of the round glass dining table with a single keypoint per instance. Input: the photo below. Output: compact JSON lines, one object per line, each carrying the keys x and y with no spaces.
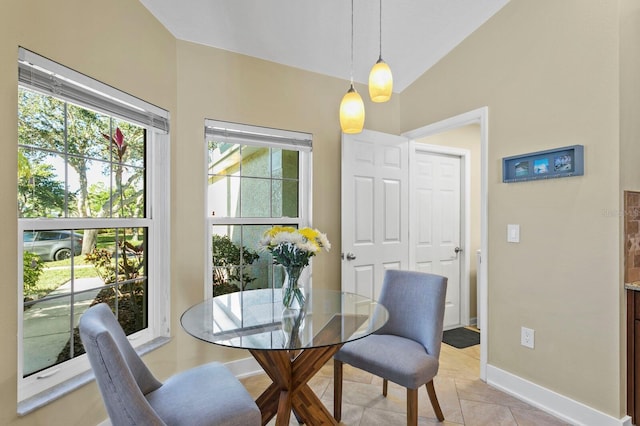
{"x":291,"y":345}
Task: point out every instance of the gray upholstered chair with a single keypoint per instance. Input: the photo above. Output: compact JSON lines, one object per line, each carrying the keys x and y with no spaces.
{"x":406,"y":349}
{"x":204,"y":395}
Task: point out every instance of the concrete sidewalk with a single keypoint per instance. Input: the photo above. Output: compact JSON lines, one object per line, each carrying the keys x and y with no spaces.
{"x":46,"y":324}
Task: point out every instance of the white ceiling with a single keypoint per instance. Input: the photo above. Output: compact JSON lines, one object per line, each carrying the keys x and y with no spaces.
{"x":316,"y":35}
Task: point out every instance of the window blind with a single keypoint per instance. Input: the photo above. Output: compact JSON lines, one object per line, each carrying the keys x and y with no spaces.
{"x":251,"y":135}
{"x":43,"y":75}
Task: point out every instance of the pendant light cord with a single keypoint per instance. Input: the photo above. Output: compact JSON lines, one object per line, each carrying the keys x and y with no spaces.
{"x":380,"y":29}
{"x":352,"y":43}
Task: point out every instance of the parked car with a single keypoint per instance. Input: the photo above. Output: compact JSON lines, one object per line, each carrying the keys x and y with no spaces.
{"x":52,"y":245}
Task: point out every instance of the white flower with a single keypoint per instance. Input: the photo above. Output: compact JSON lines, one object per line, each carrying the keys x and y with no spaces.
{"x":324,"y":241}
{"x":293,"y":247}
{"x":307,"y":246}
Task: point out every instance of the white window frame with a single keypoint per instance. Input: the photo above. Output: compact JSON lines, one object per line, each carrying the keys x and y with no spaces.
{"x":264,"y":137}
{"x":40,"y":388}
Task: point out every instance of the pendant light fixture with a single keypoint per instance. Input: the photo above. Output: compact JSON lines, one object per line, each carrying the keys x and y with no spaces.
{"x":380,"y":78}
{"x":352,"y":106}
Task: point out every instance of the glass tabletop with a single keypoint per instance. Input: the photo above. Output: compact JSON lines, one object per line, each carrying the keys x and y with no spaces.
{"x":256,"y":319}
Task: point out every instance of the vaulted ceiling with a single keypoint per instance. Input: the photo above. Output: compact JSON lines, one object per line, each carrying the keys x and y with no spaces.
{"x":316,"y":35}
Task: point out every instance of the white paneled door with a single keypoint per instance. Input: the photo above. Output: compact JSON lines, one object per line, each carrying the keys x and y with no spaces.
{"x":375,"y":172}
{"x":389,"y":222}
{"x":436,"y":223}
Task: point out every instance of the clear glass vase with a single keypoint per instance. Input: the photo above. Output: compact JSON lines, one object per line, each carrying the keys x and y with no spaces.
{"x":292,"y":327}
{"x":292,"y":293}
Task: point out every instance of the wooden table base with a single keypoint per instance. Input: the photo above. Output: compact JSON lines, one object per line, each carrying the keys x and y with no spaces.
{"x":290,"y":371}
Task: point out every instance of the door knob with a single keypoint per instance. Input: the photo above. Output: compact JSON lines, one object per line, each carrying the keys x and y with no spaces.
{"x":457,"y":250}
{"x":351,"y":256}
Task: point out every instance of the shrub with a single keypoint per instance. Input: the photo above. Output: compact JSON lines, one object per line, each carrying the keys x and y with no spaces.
{"x":129,"y":266}
{"x":32,"y":269}
{"x":230,"y":265}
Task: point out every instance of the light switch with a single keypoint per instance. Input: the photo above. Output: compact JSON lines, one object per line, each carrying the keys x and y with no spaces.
{"x":513,"y":233}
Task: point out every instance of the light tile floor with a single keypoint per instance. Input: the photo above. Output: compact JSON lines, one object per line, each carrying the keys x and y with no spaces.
{"x":464,"y":398}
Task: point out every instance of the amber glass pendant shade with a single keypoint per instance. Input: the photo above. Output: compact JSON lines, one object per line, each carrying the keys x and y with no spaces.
{"x":352,"y":112}
{"x":380,"y":82}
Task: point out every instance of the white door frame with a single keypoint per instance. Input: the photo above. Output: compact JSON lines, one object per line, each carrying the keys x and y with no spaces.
{"x":465,"y":216}
{"x":478,"y":116}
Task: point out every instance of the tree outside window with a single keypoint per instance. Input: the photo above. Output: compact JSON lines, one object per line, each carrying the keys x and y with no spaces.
{"x":83,"y":167}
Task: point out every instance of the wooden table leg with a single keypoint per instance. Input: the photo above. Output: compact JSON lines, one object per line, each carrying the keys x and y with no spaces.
{"x":289,"y":389}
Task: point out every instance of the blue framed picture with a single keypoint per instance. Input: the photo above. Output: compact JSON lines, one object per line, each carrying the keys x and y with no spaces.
{"x":552,"y":163}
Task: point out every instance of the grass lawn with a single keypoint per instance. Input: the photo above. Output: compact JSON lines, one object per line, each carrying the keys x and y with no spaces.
{"x":54,"y":274}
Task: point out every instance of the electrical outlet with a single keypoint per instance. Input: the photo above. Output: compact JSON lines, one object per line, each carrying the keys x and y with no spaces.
{"x":527,"y":337}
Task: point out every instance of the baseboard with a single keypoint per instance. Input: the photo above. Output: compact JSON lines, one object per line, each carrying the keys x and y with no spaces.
{"x":244,"y":367}
{"x":551,"y":402}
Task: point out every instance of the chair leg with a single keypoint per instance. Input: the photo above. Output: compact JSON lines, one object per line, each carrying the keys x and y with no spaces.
{"x":434,"y":400}
{"x":337,"y":389}
{"x":384,"y":387}
{"x":412,"y":407}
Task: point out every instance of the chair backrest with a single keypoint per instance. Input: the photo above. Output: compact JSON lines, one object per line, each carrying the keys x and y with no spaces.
{"x":122,"y":376}
{"x":415,"y":301}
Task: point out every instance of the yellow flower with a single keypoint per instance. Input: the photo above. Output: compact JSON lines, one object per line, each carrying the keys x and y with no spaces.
{"x":278,"y":229}
{"x":293,"y":247}
{"x":311,"y":235}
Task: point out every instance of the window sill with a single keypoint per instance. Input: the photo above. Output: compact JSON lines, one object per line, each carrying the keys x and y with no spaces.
{"x":40,"y":400}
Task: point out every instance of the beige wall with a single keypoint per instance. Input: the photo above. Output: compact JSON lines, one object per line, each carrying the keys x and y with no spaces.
{"x":121,"y":44}
{"x":629,"y":95}
{"x":223,"y":86}
{"x":548,"y":72}
{"x":118,"y":43}
{"x":467,"y":137}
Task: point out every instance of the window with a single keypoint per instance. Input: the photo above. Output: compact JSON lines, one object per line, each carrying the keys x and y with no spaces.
{"x":91,"y":163}
{"x":256,"y":178}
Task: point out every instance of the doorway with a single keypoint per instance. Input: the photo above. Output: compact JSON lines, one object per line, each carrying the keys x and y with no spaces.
{"x":478,"y":117}
{"x":447,"y":167}
{"x":383,"y":154}
{"x":401,"y":209}
{"x":437,"y":237}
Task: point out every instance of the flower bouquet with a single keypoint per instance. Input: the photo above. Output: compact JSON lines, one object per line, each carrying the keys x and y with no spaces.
{"x":293,"y":248}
